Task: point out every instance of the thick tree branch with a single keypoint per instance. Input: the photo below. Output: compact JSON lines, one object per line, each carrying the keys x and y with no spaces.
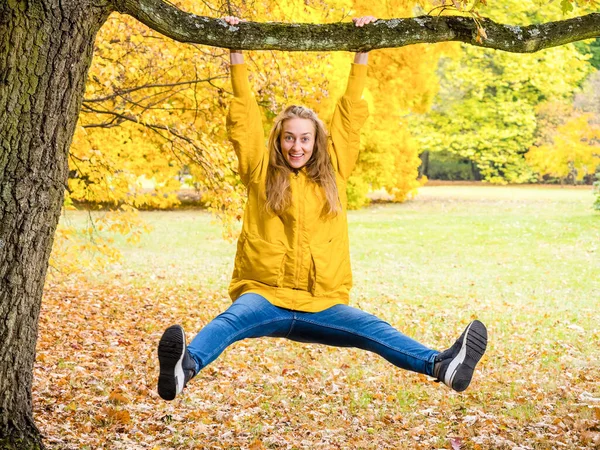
{"x":186,"y":27}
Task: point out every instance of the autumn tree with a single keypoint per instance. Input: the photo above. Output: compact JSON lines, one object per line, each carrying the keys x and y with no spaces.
{"x":574,"y":150}
{"x":567,"y":144}
{"x":45,"y":53}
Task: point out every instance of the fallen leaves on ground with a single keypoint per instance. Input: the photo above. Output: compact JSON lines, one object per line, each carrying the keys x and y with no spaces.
{"x":96,"y":372}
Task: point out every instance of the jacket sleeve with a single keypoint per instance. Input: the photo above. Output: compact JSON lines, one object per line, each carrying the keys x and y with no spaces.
{"x":348,"y":118}
{"x":244,"y":125}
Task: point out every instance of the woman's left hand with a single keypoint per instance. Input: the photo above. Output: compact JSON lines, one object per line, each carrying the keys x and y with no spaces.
{"x":362,"y":21}
{"x":362,"y":57}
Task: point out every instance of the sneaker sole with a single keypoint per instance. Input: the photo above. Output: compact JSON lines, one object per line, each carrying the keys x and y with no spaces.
{"x":171,"y":350}
{"x":461,"y":368}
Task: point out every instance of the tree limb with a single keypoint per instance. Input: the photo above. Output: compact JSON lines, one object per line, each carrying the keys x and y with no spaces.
{"x":197,"y":155}
{"x":123,"y":92}
{"x":185,"y":27}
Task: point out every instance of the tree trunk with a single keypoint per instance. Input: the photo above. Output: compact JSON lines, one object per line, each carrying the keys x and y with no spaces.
{"x":424,"y":167}
{"x":475,"y":172}
{"x":45,"y":52}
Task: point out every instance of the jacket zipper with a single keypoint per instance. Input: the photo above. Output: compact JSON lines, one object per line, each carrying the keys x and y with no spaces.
{"x":300,"y":189}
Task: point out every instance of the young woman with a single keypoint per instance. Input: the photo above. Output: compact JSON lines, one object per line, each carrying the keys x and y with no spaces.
{"x":292,"y":272}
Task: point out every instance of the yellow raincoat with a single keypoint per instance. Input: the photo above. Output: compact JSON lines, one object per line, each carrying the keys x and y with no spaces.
{"x":297,"y":260}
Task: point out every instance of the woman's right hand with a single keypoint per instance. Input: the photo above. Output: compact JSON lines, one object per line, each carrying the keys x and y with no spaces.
{"x":235,"y":56}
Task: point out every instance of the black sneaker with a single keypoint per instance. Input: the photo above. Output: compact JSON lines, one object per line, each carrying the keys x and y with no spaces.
{"x":177,"y":366}
{"x":455,"y":366}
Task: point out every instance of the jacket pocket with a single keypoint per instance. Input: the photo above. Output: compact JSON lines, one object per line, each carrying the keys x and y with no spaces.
{"x":330,"y":264}
{"x":261,"y":261}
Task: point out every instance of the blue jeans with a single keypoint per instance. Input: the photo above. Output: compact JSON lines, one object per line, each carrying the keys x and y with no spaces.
{"x":252,"y":316}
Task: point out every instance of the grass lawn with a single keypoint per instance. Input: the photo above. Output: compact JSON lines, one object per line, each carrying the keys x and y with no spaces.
{"x":525,"y":261}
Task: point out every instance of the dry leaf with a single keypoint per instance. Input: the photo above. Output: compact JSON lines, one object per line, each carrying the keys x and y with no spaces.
{"x":456,"y":443}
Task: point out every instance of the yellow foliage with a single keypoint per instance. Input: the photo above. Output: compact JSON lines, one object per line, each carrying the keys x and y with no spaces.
{"x":153,"y":117}
{"x":575,"y":150}
{"x":402,"y":81}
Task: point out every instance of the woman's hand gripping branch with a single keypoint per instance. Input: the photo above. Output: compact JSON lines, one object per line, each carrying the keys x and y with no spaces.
{"x":362,"y":57}
{"x":235,"y":56}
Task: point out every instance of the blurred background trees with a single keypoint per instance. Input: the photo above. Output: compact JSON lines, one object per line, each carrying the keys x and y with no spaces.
{"x":498,"y":116}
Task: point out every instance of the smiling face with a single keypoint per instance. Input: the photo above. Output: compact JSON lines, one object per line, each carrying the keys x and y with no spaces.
{"x":297,"y":141}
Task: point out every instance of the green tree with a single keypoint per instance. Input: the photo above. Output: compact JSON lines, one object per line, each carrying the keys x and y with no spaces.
{"x":485,"y":110}
{"x":591,"y":48}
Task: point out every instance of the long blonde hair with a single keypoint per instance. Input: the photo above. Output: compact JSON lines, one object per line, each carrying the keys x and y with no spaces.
{"x":318,"y":168}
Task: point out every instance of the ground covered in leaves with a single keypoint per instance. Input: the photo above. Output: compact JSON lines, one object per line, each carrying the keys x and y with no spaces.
{"x":527,"y":264}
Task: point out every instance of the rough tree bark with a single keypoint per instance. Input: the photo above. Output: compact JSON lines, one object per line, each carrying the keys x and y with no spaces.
{"x":45,"y":53}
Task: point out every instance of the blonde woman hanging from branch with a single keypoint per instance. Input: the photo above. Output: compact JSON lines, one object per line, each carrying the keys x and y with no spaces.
{"x":292,"y":273}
